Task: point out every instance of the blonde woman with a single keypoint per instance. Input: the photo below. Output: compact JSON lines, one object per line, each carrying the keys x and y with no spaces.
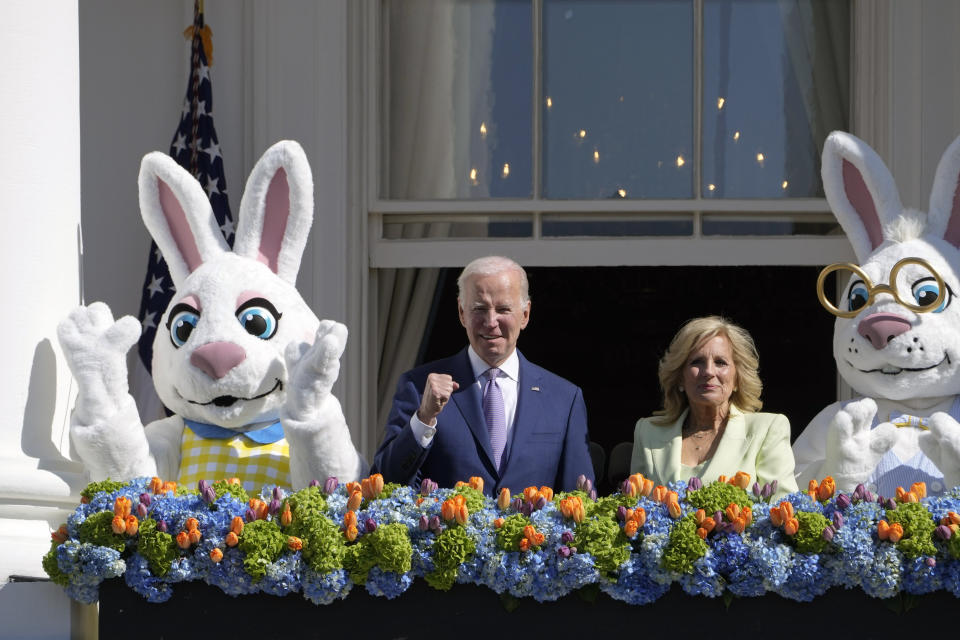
{"x":709,"y":424}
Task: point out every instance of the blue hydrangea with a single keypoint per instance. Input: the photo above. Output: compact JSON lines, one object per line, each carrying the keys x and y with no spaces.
{"x":387,"y":584}
{"x":325,"y":588}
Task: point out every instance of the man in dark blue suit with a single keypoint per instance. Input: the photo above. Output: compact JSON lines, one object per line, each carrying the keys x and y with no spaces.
{"x":512,"y":423}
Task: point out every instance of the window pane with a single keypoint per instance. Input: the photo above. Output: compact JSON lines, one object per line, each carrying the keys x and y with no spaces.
{"x":769,"y":225}
{"x":618,"y":99}
{"x":775,"y":78}
{"x":470,"y":227}
{"x":459,"y":100}
{"x":601,"y":225}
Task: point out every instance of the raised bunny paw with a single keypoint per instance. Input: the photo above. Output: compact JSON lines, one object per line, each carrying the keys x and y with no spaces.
{"x":95,"y":347}
{"x":942,"y":445}
{"x":313,"y":369}
{"x":854,"y":447}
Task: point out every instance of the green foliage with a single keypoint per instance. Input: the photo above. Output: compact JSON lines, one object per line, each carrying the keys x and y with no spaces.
{"x":717,"y":496}
{"x":388,"y":490}
{"x":918,"y":527}
{"x":809,"y":537}
{"x":50,"y":565}
{"x":606,"y":507}
{"x":262,"y":543}
{"x":604,"y":540}
{"x":323,"y":542}
{"x":222,"y":487}
{"x":685,"y":546}
{"x":107,"y":486}
{"x":452,"y":548}
{"x":159,"y":548}
{"x":388,"y":547}
{"x":511,"y":532}
{"x":305,"y":504}
{"x":97,"y":529}
{"x":475,"y":500}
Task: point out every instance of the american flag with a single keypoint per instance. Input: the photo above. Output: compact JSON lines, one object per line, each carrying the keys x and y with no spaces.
{"x":196,"y":148}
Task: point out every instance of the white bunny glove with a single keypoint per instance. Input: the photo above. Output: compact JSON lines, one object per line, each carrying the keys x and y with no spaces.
{"x":320,"y":443}
{"x":853,"y":448}
{"x":105,"y":425}
{"x":942,"y":445}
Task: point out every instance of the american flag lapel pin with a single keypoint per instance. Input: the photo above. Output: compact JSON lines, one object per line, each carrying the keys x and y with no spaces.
{"x":534,"y":388}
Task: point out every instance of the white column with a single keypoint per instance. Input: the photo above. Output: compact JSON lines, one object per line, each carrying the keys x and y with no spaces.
{"x":40,"y":265}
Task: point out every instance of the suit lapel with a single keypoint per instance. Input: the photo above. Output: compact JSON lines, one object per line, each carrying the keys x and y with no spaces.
{"x":730,"y":450}
{"x":666,"y":453}
{"x":530,"y":409}
{"x":469,"y":403}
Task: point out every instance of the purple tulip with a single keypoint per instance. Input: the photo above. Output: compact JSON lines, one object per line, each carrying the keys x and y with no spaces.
{"x":867,"y":496}
{"x":694,"y":484}
{"x":370,"y":525}
{"x":540,"y":503}
{"x":516,"y":504}
{"x":944,"y":532}
{"x":435,"y":524}
{"x":428,"y":486}
{"x":249,"y":515}
{"x":773,"y":486}
{"x":828,"y":533}
{"x":274,"y":506}
{"x":625,"y":487}
{"x":277,"y":493}
{"x":566,"y":537}
{"x":891,"y":503}
{"x":145,"y":499}
{"x":766,"y":491}
{"x":526,"y":509}
{"x":202,"y":485}
{"x":424,"y":523}
{"x":593,"y":493}
{"x":837,"y":519}
{"x":931,"y":562}
{"x":142,"y":510}
{"x":209,"y":495}
{"x":162,"y":526}
{"x":756,"y":489}
{"x":580,"y":480}
{"x":564,"y":552}
{"x":843,"y":501}
{"x":330,"y":485}
{"x":621,"y":513}
{"x":718,"y":516}
{"x":314,"y":483}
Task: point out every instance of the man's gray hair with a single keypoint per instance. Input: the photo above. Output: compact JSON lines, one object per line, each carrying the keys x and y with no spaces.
{"x":490,"y":265}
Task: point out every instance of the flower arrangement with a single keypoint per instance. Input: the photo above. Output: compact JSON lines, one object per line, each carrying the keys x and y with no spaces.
{"x":322,"y":541}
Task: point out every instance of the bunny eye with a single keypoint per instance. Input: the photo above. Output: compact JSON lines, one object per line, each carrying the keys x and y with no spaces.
{"x":259,"y":318}
{"x":925,"y":291}
{"x":857,"y":298}
{"x":182,"y":321}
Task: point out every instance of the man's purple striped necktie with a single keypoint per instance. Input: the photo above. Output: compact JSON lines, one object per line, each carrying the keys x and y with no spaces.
{"x":495,"y":415}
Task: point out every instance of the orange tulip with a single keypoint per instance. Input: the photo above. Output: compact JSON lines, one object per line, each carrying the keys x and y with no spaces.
{"x":530,"y":494}
{"x":699,"y":516}
{"x":183,"y":540}
{"x":503,"y":500}
{"x":775,"y":516}
{"x":118,"y":525}
{"x":826,"y":489}
{"x":376,"y":482}
{"x":497,"y":523}
{"x":579,"y":513}
{"x":630,"y":528}
{"x":156,"y":484}
{"x":350,"y":519}
{"x":708,"y":524}
{"x":955,"y":528}
{"x":791,"y":526}
{"x":721,"y":478}
{"x":812,"y":487}
{"x":673,"y":508}
{"x":702,"y":533}
{"x":883,"y":529}
{"x":351,"y":533}
{"x":786,"y":510}
{"x":366,"y":489}
{"x":640,"y":516}
{"x":131,"y":525}
{"x":538,"y":539}
{"x":353,"y":502}
{"x":448,"y":510}
{"x":741,"y":479}
{"x":462,"y":514}
{"x":647,"y":486}
{"x":233,"y":481}
{"x":739,"y":524}
{"x":547,"y":493}
{"x":524,"y":544}
{"x":529,"y":531}
{"x":60,"y":535}
{"x":287,"y":516}
{"x":216,"y":554}
{"x":953,"y":517}
{"x":169,"y":487}
{"x":231,"y":539}
{"x":236,"y":525}
{"x":476,"y":482}
{"x":659,"y":493}
{"x":459,"y":500}
{"x":353,"y":486}
{"x":192,"y":523}
{"x":920,"y":489}
{"x":419,"y":501}
{"x":121,"y":506}
{"x":294,"y":543}
{"x":194,"y":535}
{"x":895,"y":532}
{"x":732,"y":511}
{"x":747,"y":514}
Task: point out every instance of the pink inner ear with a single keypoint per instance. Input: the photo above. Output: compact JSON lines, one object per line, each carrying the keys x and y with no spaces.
{"x":859,"y":196}
{"x":179,"y":227}
{"x":952,"y":234}
{"x":275,"y":216}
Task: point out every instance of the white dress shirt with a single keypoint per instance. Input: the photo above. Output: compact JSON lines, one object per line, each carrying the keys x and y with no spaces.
{"x":508,"y":381}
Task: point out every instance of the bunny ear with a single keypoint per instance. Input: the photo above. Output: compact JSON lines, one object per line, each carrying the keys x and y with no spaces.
{"x":276,"y":210}
{"x":943,"y":219}
{"x":178,"y":215}
{"x":860,"y":191}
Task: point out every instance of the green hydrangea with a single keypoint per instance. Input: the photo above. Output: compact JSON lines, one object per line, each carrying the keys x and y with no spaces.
{"x":510,"y":532}
{"x":809,"y":536}
{"x":107,"y":486}
{"x":918,"y":527}
{"x":222,"y":487}
{"x":262,"y":543}
{"x":305,"y":504}
{"x":475,"y":500}
{"x":49,"y":564}
{"x":452,"y":548}
{"x":604,"y":540}
{"x":98,"y":529}
{"x":388,"y":547}
{"x":684,"y":547}
{"x":389,"y":488}
{"x":323,"y":542}
{"x":606,"y":507}
{"x":717,"y":496}
{"x":953,"y":546}
{"x":159,"y":548}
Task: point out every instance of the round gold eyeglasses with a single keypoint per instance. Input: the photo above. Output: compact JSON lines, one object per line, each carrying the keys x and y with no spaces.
{"x":927,"y":289}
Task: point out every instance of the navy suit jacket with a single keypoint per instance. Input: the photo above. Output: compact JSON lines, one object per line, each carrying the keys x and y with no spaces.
{"x":548,"y":444}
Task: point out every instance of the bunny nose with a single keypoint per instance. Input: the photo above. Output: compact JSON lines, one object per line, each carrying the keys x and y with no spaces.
{"x":881,"y":328}
{"x":216,"y":359}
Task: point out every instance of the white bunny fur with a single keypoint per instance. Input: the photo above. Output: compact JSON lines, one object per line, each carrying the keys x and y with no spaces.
{"x":840,"y":440}
{"x":293,"y":371}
